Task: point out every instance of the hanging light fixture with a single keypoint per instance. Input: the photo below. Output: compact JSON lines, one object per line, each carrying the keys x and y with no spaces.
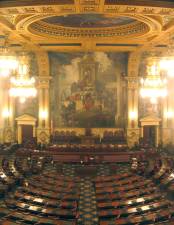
{"x":8,"y":61}
{"x":153,"y":86}
{"x":22,"y":85}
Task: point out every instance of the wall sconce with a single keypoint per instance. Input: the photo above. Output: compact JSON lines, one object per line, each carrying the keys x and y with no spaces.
{"x":6,"y":113}
{"x":43,"y":114}
{"x":133,"y":116}
{"x":169,"y":114}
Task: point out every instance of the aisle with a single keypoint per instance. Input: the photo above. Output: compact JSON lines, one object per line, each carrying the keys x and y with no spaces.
{"x":87,"y":205}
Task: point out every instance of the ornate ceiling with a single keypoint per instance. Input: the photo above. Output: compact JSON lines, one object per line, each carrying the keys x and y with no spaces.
{"x":87,"y":25}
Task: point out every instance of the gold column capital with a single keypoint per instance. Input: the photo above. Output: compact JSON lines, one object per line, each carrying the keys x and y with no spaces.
{"x":44,"y":81}
{"x":132,"y":82}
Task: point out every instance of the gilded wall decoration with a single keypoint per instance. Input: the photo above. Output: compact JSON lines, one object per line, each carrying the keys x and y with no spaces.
{"x":87,"y":89}
{"x":8,"y":135}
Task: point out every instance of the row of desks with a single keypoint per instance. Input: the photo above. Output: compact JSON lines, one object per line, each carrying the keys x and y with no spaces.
{"x":86,"y":156}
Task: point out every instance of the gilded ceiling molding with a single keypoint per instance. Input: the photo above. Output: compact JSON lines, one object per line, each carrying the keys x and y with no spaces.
{"x":146,"y":3}
{"x":80,"y":7}
{"x":138,"y":29}
{"x":142,"y":27}
{"x":5,"y":22}
{"x":156,"y":40}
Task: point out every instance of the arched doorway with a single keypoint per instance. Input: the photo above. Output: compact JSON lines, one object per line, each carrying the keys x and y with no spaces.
{"x":26,"y":128}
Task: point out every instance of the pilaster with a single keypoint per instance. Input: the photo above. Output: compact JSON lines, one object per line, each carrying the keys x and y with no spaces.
{"x":43,"y":129}
{"x":19,"y":133}
{"x":133,"y":131}
{"x":7,"y":113}
{"x":132,"y":86}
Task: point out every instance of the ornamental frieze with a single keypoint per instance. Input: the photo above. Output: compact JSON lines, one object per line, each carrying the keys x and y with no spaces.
{"x":83,"y":6}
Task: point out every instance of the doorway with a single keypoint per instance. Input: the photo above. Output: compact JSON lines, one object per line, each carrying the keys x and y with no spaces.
{"x":150,"y":129}
{"x":26,"y":128}
{"x":27,"y":133}
{"x":149,"y":134}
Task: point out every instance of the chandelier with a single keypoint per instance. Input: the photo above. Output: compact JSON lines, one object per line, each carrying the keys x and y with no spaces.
{"x":153,"y":86}
{"x":23,"y":86}
{"x":8,"y":61}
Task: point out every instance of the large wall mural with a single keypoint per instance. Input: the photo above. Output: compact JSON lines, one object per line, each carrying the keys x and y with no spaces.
{"x":87,"y":89}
